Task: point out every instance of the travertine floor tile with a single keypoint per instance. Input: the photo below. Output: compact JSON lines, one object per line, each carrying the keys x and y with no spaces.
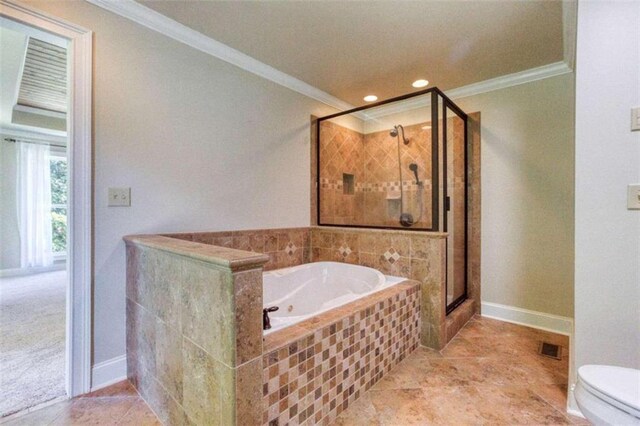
{"x":490,"y":373}
{"x":119,"y":404}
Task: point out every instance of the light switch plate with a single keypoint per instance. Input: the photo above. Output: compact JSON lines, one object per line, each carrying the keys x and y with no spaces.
{"x":633,"y":197}
{"x":119,"y":197}
{"x":635,"y":119}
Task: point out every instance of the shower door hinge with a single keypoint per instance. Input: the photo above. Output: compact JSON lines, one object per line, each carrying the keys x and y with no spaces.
{"x":447,"y":203}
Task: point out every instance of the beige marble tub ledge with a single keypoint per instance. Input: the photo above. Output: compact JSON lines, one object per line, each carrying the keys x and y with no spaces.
{"x":233,"y":259}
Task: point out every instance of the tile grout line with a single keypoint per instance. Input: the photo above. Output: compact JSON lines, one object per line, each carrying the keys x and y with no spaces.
{"x":146,"y":403}
{"x":566,"y":415}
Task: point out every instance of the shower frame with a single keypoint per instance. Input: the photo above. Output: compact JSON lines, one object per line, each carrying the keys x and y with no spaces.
{"x":435,"y":173}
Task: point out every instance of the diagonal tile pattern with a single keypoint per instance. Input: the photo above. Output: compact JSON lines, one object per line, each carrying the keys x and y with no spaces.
{"x":490,"y":373}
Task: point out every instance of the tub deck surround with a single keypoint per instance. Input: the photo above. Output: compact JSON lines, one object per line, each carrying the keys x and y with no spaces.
{"x":418,"y":256}
{"x":195,"y":348}
{"x":409,"y":254}
{"x":194,"y":330}
{"x":314,"y":370}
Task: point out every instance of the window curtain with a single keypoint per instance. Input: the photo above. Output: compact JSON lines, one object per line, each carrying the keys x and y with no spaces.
{"x":34,"y":205}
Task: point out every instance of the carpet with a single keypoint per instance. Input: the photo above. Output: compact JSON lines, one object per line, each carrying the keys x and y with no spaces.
{"x":32,"y":340}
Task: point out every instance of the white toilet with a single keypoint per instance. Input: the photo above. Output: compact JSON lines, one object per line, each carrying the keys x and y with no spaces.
{"x":609,"y":395}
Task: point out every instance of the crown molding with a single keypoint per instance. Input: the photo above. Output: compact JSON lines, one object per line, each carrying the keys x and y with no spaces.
{"x":502,"y":82}
{"x":155,"y":21}
{"x":510,"y":80}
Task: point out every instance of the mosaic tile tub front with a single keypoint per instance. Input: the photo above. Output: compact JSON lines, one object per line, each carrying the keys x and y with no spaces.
{"x":315,"y":369}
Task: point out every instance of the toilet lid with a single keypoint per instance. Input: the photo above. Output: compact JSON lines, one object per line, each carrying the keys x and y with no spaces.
{"x":622,"y":385}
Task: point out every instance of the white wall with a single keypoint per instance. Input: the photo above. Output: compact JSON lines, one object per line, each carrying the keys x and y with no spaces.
{"x":10,"y":236}
{"x":607,"y":265}
{"x":527,"y":194}
{"x":203,"y":145}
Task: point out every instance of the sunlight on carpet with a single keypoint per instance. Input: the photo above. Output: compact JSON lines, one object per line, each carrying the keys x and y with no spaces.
{"x":32,"y":340}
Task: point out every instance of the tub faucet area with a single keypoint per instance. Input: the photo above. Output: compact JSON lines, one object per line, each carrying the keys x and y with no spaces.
{"x":266,"y":322}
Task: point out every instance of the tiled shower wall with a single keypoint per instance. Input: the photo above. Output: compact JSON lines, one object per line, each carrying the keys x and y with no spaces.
{"x":382,"y":185}
{"x":372,"y":160}
{"x":343,"y":151}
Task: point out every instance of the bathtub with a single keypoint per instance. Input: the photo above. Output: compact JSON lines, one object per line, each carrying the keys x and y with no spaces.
{"x":310,"y":289}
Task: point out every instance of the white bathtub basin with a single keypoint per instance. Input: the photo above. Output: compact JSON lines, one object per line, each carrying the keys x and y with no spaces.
{"x":310,"y":289}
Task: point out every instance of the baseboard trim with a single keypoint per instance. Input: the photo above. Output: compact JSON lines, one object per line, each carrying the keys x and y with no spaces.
{"x":108,"y":372}
{"x":534,"y":319}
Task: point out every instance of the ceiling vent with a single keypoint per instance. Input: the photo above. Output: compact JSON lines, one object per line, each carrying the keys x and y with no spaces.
{"x":44,"y":78}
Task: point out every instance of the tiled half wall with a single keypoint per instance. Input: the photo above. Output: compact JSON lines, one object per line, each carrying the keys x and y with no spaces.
{"x":194,"y":330}
{"x":284,"y":246}
{"x":415,"y":255}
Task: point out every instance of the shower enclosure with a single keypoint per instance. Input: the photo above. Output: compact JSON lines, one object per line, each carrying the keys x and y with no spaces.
{"x":399,"y":164}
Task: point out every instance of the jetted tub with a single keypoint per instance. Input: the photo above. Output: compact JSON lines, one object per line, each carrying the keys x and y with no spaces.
{"x":310,"y":289}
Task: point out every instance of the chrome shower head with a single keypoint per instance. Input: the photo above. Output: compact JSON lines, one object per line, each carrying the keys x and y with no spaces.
{"x":399,"y":129}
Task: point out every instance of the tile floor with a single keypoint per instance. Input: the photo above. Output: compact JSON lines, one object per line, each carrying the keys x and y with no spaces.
{"x":119,"y":404}
{"x":489,"y":373}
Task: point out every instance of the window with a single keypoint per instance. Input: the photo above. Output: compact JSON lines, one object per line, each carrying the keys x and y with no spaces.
{"x":58,"y":167}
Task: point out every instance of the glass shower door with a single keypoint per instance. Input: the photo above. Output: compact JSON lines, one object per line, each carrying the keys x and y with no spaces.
{"x":455,"y":203}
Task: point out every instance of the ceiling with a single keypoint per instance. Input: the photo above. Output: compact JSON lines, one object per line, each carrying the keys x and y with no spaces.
{"x":354,"y":48}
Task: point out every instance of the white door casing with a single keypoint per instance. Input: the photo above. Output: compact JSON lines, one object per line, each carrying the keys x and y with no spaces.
{"x":79,"y":249}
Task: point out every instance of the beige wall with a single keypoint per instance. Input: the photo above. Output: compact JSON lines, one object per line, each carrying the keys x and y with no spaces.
{"x":527,"y":194}
{"x":202,"y":144}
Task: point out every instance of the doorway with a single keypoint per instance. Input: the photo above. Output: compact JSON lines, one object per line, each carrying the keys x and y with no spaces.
{"x":33,"y":258}
{"x":45,"y":214}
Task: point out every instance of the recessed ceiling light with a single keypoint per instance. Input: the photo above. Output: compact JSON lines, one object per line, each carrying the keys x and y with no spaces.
{"x":370,"y":98}
{"x":420,"y":83}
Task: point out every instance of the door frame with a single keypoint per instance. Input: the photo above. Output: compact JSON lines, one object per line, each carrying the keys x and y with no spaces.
{"x":80,"y":210}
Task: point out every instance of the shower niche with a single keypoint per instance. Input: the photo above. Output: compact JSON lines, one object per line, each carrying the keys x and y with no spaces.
{"x":408,"y":156}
